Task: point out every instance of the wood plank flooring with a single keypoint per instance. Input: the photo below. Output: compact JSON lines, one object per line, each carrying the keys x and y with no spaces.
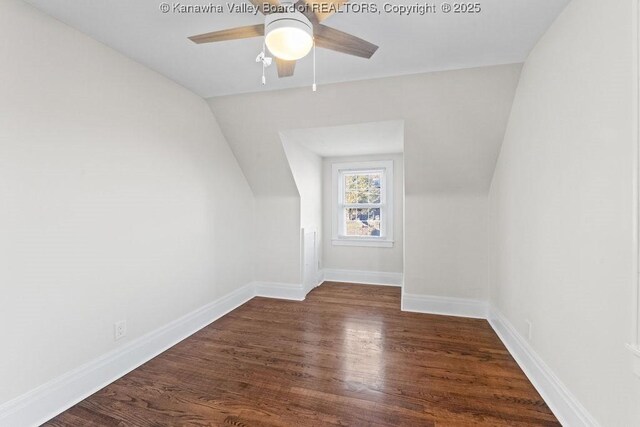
{"x":346,"y":355}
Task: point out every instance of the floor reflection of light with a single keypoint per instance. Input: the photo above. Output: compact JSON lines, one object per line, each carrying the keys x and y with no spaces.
{"x":363,"y":353}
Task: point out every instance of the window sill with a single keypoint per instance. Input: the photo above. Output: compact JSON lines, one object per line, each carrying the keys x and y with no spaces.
{"x":363,"y":242}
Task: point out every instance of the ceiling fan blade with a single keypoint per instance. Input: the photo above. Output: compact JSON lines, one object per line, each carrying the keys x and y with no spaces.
{"x":285,"y":68}
{"x":260,"y":4}
{"x":230,"y":34}
{"x":301,"y":6}
{"x":325,"y":8}
{"x":330,"y":38}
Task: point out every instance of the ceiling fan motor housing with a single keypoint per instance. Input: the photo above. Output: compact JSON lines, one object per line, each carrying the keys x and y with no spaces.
{"x":289,"y":35}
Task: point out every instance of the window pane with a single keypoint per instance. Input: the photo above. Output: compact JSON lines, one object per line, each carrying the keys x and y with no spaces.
{"x":362,"y":222}
{"x":362,"y":188}
{"x":350,"y":182}
{"x":351,"y":197}
{"x":374,"y":196}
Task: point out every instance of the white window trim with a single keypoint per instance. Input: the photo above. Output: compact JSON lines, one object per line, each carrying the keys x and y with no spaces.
{"x":386,"y":207}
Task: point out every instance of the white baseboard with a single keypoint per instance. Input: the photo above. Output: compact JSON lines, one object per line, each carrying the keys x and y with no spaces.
{"x":290,"y":291}
{"x":560,"y":400}
{"x":56,"y":396}
{"x":445,"y":306}
{"x":363,"y":277}
{"x":320,"y":278}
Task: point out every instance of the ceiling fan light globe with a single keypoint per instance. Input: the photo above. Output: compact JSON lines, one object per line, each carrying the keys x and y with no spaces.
{"x":289,"y":36}
{"x":289,"y":44}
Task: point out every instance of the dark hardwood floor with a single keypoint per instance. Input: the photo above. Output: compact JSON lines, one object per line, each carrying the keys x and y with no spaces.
{"x":345,"y":356}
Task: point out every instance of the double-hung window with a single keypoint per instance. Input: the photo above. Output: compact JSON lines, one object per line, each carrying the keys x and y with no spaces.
{"x":363,"y":209}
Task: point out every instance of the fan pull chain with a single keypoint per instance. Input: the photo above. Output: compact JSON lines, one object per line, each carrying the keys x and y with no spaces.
{"x":314,"y":87}
{"x":264,"y":79}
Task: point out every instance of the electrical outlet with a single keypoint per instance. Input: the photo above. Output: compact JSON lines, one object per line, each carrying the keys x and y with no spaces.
{"x":120,"y":329}
{"x":529,"y":329}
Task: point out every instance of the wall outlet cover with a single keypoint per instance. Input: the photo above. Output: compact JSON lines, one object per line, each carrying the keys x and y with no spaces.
{"x":120,"y":329}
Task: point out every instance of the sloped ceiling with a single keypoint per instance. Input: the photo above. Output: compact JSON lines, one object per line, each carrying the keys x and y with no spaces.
{"x":454,"y":125}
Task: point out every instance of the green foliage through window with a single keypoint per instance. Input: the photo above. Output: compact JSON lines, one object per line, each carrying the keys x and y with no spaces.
{"x":359,"y":189}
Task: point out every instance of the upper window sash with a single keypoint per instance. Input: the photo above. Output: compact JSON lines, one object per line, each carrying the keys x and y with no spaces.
{"x":342,"y":173}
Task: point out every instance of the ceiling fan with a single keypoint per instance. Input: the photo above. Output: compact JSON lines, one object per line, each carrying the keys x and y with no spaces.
{"x":291,"y":29}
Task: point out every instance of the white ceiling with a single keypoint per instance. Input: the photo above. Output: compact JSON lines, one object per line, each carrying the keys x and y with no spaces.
{"x":503,"y":32}
{"x":350,"y":140}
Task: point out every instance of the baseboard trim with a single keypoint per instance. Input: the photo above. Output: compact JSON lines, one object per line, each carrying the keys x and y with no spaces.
{"x":289,"y":291}
{"x":363,"y":277}
{"x":460,"y":307}
{"x":50,"y":399}
{"x":320,"y":278}
{"x":561,"y":401}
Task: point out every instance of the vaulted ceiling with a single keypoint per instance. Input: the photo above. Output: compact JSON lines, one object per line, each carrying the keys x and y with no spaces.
{"x":503,"y":32}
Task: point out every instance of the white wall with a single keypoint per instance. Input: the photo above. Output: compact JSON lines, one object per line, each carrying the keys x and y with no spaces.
{"x":356,"y":257}
{"x":277,"y":240}
{"x":454,"y":123}
{"x":448,"y":256}
{"x":306,"y":167}
{"x":561,"y":207}
{"x":119,"y":199}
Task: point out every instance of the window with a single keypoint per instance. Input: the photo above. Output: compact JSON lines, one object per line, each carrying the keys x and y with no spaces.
{"x":363,"y":203}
